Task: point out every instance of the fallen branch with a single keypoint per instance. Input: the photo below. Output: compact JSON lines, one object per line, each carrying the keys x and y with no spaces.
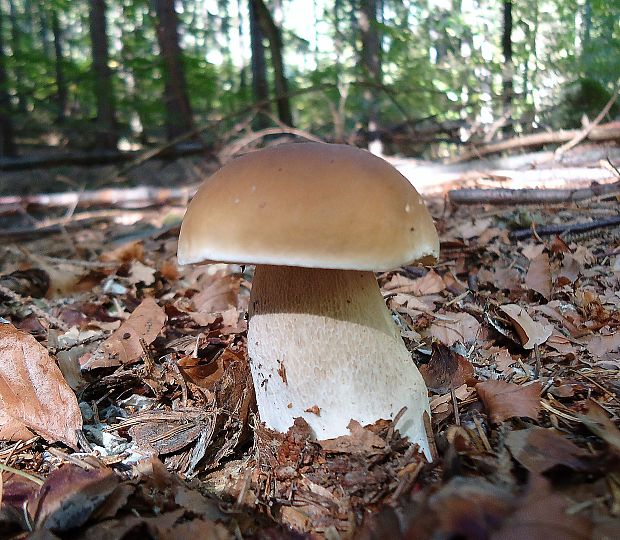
{"x":99,"y":158}
{"x":135,"y":197}
{"x":501,"y":196}
{"x":549,"y":230}
{"x":604,"y":132}
{"x":588,"y":129}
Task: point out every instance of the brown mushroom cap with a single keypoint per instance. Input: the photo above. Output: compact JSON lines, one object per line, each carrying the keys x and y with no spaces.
{"x":313,"y":205}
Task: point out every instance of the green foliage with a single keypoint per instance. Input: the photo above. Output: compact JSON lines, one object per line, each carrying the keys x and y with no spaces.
{"x":439,"y":59}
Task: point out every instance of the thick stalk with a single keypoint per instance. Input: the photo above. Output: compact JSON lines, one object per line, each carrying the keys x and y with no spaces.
{"x":323,"y":346}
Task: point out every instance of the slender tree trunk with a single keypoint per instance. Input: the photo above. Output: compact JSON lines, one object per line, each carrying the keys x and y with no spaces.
{"x":61,"y":83}
{"x":508,"y":70}
{"x":371,"y":65}
{"x":7,"y":141}
{"x":17,"y":57}
{"x":106,"y":130}
{"x":179,"y":119}
{"x":260,"y":87}
{"x":273,"y":34}
{"x":44,"y":30}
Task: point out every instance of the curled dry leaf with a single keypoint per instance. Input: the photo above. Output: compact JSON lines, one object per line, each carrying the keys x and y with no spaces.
{"x":33,"y":391}
{"x":446,"y":369}
{"x":123,"y":346}
{"x":504,"y":400}
{"x":531,"y":333}
{"x":539,"y":449}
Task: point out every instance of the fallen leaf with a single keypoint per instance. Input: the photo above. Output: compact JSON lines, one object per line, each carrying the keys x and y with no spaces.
{"x":542,"y":513}
{"x":538,"y":276}
{"x":33,"y":391}
{"x":473,"y":228}
{"x":71,"y":494}
{"x":531,"y":333}
{"x":570,"y":270}
{"x":140,"y":273}
{"x":123,"y":346}
{"x":361,"y":441}
{"x":600,"y":345}
{"x":452,"y":327}
{"x":125,"y":253}
{"x":504,"y":400}
{"x":531,"y":251}
{"x":219,"y":294}
{"x":446,"y":370}
{"x":539,"y":449}
{"x":430,"y":283}
{"x":503,"y":361}
{"x":596,"y":419}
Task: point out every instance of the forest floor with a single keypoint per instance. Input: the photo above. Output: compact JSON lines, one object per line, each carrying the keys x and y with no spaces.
{"x":125,"y":388}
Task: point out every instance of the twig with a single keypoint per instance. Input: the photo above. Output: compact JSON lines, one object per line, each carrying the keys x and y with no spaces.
{"x":23,"y":474}
{"x":26,"y":300}
{"x":549,"y":230}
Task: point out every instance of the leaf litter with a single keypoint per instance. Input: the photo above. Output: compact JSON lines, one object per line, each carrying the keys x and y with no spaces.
{"x":158,"y":437}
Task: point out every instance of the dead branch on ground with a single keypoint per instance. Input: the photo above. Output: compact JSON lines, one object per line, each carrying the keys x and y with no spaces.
{"x":504,"y":196}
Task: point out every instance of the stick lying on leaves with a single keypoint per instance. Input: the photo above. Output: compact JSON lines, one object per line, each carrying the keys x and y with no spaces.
{"x":549,"y":230}
{"x":506,"y":196}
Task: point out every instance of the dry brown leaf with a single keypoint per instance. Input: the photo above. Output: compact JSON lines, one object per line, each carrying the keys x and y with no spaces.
{"x":539,"y":449}
{"x":452,"y":327}
{"x":538,"y":276}
{"x":543,"y":514}
{"x":123,"y":346}
{"x":531,"y":251}
{"x":446,"y":370}
{"x":219,"y":294}
{"x":505,"y":400}
{"x":361,"y":440}
{"x":531,"y":333}
{"x":596,"y":419}
{"x":33,"y":391}
{"x":600,"y":345}
{"x":503,"y":361}
{"x":128,"y":252}
{"x":570,"y":270}
{"x":71,"y":495}
{"x":430,"y":283}
{"x":141,"y":273}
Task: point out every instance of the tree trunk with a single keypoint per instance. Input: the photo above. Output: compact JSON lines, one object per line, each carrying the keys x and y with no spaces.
{"x":61,"y":83}
{"x":272,"y":32}
{"x":179,"y":118}
{"x":371,"y":65}
{"x":7,"y":141}
{"x":106,"y":130}
{"x":508,"y":70}
{"x":17,"y":57}
{"x":259,"y":69}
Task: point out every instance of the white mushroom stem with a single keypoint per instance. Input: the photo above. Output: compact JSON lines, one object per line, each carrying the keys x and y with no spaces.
{"x":323,"y":346}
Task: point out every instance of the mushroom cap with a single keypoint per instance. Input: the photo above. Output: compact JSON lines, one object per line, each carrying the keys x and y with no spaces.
{"x":313,"y":205}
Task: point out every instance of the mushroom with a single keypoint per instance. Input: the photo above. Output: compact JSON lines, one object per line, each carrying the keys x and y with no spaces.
{"x":317,"y":220}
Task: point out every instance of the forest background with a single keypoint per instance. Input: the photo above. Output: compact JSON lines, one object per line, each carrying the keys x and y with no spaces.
{"x":418,"y":77}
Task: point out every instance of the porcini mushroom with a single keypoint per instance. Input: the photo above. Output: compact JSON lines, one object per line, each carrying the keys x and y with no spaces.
{"x":317,"y":219}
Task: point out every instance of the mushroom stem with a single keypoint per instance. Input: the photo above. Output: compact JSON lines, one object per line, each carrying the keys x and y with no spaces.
{"x":323,"y":346}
